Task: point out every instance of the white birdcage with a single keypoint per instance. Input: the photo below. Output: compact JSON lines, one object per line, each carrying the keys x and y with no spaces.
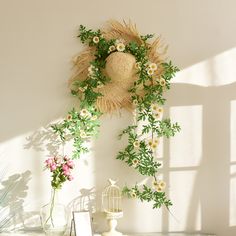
{"x":112,"y":206}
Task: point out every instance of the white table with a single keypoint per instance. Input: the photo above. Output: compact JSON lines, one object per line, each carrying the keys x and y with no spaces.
{"x":165,"y":234}
{"x":171,"y":234}
{"x":128,"y":234}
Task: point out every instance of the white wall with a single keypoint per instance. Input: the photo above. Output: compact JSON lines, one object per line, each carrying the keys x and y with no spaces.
{"x":37,"y":42}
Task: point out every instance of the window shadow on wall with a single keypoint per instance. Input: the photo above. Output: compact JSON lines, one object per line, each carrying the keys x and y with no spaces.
{"x":211,"y":187}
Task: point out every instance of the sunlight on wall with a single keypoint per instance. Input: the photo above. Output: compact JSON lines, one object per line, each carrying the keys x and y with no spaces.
{"x":216,"y":71}
{"x":187,"y":154}
{"x":182,"y":194}
{"x":185,"y":158}
{"x":232,"y":212}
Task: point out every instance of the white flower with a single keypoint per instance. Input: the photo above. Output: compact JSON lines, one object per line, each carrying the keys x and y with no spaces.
{"x":157,"y":115}
{"x":150,"y":142}
{"x":133,"y":194}
{"x":150,"y":71}
{"x":137,"y":65}
{"x":154,"y":107}
{"x":162,"y":82}
{"x":96,"y":39}
{"x":157,"y":111}
{"x":119,"y":41}
{"x":135,"y":163}
{"x":120,"y":47}
{"x":154,"y":183}
{"x":159,"y":189}
{"x":69,"y":117}
{"x":156,"y":141}
{"x":162,"y":184}
{"x":160,"y":110}
{"x":90,"y":69}
{"x":85,"y":113}
{"x":154,"y":146}
{"x":94,"y":117}
{"x":158,"y":185}
{"x":112,"y":48}
{"x":82,"y":134}
{"x":136,"y":143}
{"x":100,"y":85}
{"x":153,"y":66}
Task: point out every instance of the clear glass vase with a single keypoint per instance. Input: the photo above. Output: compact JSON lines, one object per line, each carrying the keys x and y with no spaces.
{"x":54,"y":216}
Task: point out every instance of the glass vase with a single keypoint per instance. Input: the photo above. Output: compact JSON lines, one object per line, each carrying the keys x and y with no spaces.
{"x":54,"y":216}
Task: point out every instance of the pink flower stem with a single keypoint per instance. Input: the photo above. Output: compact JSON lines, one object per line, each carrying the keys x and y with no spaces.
{"x":51,"y":208}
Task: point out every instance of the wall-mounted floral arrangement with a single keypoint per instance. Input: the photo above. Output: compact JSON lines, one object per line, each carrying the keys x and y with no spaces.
{"x":122,"y":69}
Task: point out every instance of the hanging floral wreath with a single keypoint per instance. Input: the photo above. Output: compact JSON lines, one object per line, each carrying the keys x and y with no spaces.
{"x":121,"y":69}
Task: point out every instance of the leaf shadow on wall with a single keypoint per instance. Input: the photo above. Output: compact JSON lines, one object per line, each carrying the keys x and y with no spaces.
{"x":86,"y":201}
{"x":14,"y":189}
{"x":44,"y":139}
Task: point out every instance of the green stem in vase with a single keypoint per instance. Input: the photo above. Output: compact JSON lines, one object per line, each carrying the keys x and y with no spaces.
{"x":51,"y":208}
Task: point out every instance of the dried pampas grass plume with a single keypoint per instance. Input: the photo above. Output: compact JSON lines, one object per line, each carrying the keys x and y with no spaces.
{"x":120,"y":67}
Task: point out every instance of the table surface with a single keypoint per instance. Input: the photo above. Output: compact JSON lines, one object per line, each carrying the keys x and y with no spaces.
{"x":128,"y":234}
{"x":164,"y":234}
{"x":171,"y":234}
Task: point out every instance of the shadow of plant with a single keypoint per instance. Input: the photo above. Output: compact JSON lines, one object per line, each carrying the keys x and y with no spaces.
{"x":87,"y":201}
{"x":12,"y":194}
{"x":44,"y":139}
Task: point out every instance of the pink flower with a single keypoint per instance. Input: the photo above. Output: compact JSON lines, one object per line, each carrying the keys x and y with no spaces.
{"x":66,"y":172}
{"x":49,"y":161}
{"x":65,"y":158}
{"x":70,"y":163}
{"x":65,"y":167}
{"x":70,"y":177}
{"x":53,"y":167}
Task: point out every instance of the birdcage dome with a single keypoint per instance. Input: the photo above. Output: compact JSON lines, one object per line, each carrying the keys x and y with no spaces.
{"x":111,"y":198}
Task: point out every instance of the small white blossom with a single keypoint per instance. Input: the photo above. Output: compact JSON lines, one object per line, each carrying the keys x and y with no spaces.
{"x":162,"y":82}
{"x":94,"y":117}
{"x":96,"y":39}
{"x":135,"y":163}
{"x":137,"y":65}
{"x":136,"y":144}
{"x":119,"y":41}
{"x":154,"y":107}
{"x":133,"y":194}
{"x":100,"y":85}
{"x":82,"y":134}
{"x":156,"y":141}
{"x":153,"y":66}
{"x":112,"y":48}
{"x":120,"y":47}
{"x":91,"y":69}
{"x":150,"y":71}
{"x":85,"y":113}
{"x":162,"y":184}
{"x":158,"y":185}
{"x":69,"y":117}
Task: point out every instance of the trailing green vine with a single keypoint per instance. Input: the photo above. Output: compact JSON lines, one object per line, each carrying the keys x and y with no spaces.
{"x":146,"y":94}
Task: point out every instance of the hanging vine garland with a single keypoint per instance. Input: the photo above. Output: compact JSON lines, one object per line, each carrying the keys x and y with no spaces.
{"x":122,"y":69}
